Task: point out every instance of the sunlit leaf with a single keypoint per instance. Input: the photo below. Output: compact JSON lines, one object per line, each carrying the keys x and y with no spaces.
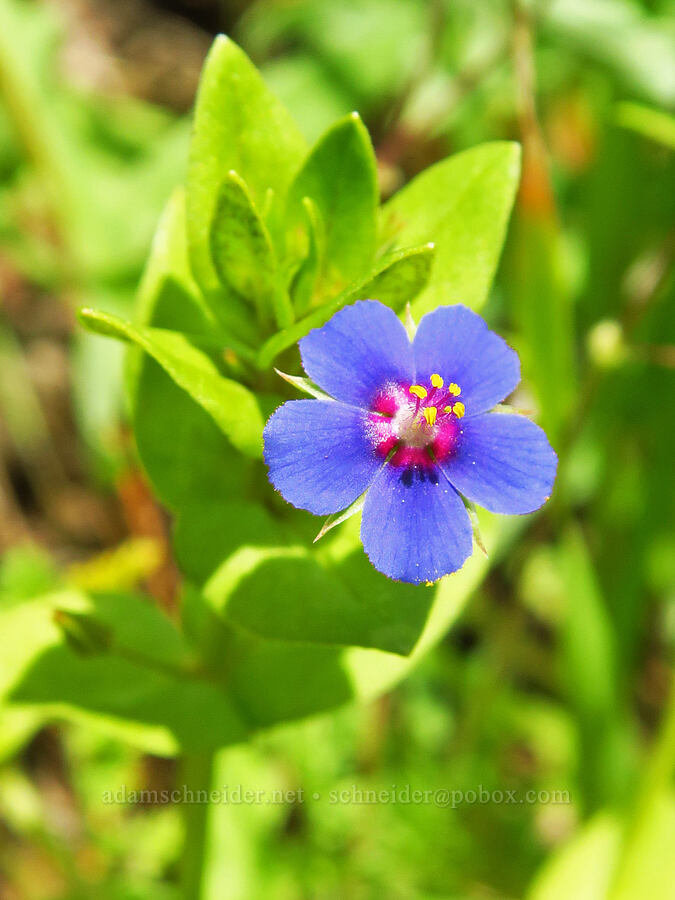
{"x":243,"y":253}
{"x":239,"y":125}
{"x":233,"y":407}
{"x":339,"y":175}
{"x":462,"y":205}
{"x":398,"y":278}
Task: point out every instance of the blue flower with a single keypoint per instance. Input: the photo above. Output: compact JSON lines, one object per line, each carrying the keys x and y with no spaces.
{"x":409,"y":424}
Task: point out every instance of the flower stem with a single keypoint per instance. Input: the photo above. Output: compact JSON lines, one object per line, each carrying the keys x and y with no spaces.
{"x":197,"y":774}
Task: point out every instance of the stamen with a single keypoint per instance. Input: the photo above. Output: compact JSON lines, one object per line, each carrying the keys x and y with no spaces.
{"x":429,"y":413}
{"x":458,"y":409}
{"x":418,"y":390}
{"x":436,"y":381}
{"x":454,"y":389}
{"x":447,"y":409}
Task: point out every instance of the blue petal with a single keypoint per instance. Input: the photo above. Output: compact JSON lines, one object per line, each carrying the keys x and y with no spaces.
{"x":457,"y":344}
{"x":503,"y":462}
{"x":357,"y":352}
{"x":415,"y":526}
{"x":318,"y":455}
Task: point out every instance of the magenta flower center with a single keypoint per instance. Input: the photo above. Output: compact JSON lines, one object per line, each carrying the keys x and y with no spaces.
{"x":416,"y":424}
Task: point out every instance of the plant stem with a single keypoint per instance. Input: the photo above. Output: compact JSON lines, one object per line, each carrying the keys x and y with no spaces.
{"x":197,"y":773}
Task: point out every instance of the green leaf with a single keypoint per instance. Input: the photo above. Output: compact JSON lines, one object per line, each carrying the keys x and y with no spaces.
{"x":25,"y":571}
{"x":17,"y":727}
{"x":168,"y":261}
{"x":147,"y":690}
{"x":335,"y":596}
{"x":590,"y":666}
{"x":395,"y":281}
{"x":234,"y":408}
{"x":243,"y":253}
{"x":462,"y":204}
{"x":238,"y":125}
{"x":305,"y":385}
{"x":185,"y":454}
{"x":331,"y":593}
{"x":306,"y":282}
{"x":400,"y":277}
{"x":168,"y":284}
{"x":590,"y":674}
{"x":340,"y":176}
{"x":183,"y":451}
{"x":535,"y":267}
{"x":582,"y":868}
{"x":336,"y":519}
{"x":276,"y":681}
{"x":142,"y":690}
{"x":645,"y":865}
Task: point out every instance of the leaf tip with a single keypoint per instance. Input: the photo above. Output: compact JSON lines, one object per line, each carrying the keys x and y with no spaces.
{"x":87,"y":316}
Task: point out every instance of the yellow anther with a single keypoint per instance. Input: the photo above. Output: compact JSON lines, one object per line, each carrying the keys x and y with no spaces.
{"x":458,"y":409}
{"x":454,"y":389}
{"x":418,"y":390}
{"x":429,"y":413}
{"x":436,"y":381}
{"x":447,"y":409}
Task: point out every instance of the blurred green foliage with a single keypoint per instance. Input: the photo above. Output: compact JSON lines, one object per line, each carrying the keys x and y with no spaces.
{"x":555,"y":676}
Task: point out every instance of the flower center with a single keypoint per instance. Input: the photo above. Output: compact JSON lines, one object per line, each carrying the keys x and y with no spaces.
{"x":418,"y":424}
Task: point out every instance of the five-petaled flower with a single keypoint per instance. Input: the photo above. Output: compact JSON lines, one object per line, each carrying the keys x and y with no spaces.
{"x":409,"y":423}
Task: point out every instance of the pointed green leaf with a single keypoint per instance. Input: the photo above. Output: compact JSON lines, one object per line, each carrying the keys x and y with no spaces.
{"x":338,"y":518}
{"x":462,"y":204}
{"x":304,"y":384}
{"x":340,"y":176}
{"x":233,"y":407}
{"x":239,"y":124}
{"x":397,"y":279}
{"x":400,"y":278}
{"x":306,"y":282}
{"x":243,"y":253}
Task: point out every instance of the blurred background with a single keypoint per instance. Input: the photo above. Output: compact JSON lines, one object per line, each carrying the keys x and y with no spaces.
{"x":556,"y":679}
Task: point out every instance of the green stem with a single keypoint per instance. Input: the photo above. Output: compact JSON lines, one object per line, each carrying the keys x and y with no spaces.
{"x":197,"y":775}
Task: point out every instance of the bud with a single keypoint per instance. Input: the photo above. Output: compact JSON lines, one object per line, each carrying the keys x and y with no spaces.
{"x":605,"y":344}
